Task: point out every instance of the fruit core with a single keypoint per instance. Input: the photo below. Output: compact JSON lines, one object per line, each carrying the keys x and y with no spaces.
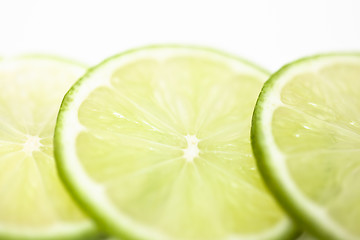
{"x":192,"y":150}
{"x":32,"y":144}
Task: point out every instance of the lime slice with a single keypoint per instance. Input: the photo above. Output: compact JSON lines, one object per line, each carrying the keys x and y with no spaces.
{"x":155,"y":143}
{"x":34,"y":204}
{"x":306,"y":138}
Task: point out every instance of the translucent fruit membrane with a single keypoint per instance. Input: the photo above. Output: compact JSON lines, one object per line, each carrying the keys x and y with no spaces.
{"x":33,"y":201}
{"x":318,"y":130}
{"x":168,"y":140}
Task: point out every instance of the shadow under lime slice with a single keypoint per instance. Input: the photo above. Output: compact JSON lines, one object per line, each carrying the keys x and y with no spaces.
{"x":33,"y":203}
{"x":155,"y":143}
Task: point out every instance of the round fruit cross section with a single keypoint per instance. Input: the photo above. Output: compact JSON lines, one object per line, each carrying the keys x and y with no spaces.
{"x":306,"y":138}
{"x":33,"y":202}
{"x":155,"y":143}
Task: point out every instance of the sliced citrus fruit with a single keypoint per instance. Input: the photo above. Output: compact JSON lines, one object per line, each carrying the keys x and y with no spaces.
{"x":306,"y":138}
{"x":34,"y":204}
{"x":155,"y":142}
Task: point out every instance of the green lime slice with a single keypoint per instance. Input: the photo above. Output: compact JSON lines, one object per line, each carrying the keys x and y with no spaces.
{"x":306,"y":138}
{"x":155,"y":143}
{"x":34,"y":204}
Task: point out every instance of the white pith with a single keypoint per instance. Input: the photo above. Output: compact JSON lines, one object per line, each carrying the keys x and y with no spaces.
{"x":32,"y":144}
{"x":192,"y":150}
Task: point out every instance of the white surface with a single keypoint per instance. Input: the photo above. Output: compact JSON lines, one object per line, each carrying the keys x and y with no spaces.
{"x":268,"y":32}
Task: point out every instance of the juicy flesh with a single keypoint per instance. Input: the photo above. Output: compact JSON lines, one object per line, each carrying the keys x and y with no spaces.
{"x":32,"y":196}
{"x":318,"y":129}
{"x":170,"y":143}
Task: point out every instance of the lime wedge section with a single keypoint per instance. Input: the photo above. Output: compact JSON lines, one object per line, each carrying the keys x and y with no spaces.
{"x":306,"y":138}
{"x":155,"y":142}
{"x":34,"y":204}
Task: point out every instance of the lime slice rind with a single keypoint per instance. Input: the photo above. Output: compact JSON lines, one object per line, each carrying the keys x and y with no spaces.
{"x":65,"y":231}
{"x":271,"y":160}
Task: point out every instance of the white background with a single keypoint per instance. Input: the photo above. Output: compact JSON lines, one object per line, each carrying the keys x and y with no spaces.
{"x":270,"y":33}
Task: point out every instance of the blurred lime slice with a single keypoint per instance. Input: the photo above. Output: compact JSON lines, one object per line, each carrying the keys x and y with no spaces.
{"x":155,"y":142}
{"x":306,"y":138}
{"x":33,"y":203}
